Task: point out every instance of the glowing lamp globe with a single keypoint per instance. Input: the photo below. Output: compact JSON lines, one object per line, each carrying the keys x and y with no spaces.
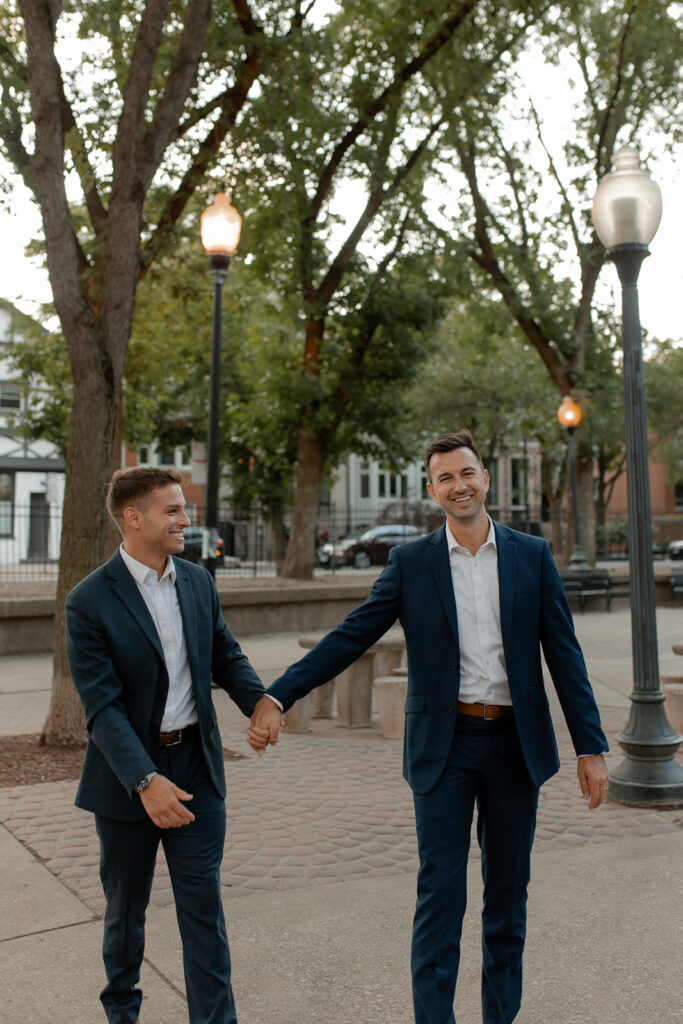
{"x":220,"y":227}
{"x":569,"y":414}
{"x":627,"y":206}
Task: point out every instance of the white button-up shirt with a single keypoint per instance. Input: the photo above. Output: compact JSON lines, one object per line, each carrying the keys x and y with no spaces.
{"x":161,"y":598}
{"x":483,"y":676}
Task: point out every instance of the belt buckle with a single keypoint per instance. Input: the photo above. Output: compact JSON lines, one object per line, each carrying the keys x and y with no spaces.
{"x":488,"y":718}
{"x":174,"y":743}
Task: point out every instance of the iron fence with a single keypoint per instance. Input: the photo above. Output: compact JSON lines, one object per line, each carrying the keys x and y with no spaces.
{"x":254,"y":541}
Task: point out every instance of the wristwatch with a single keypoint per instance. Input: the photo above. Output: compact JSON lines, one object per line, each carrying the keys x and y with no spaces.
{"x":144,"y":782}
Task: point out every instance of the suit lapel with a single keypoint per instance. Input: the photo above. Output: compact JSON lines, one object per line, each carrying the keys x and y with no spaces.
{"x":507,"y":571}
{"x":188,"y":612}
{"x":126,"y":589}
{"x":441,"y":568}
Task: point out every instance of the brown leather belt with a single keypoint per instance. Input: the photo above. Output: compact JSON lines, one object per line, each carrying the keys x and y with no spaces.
{"x":171,"y":739}
{"x":485,"y":710}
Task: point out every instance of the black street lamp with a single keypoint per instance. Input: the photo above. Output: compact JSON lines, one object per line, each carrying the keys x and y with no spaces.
{"x":220,"y":226}
{"x":569,"y":414}
{"x":626,"y":212}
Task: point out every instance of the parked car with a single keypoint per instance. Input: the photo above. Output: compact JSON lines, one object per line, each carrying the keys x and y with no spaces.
{"x":332,"y":556}
{"x":675,"y":549}
{"x":194,"y":539}
{"x":373,"y":546}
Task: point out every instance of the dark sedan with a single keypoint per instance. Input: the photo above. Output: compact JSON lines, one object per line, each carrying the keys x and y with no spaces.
{"x":194,"y":541}
{"x":373,"y":546}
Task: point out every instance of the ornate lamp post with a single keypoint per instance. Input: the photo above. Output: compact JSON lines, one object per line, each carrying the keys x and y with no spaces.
{"x":626,"y":212}
{"x":569,"y":414}
{"x":220,"y":227}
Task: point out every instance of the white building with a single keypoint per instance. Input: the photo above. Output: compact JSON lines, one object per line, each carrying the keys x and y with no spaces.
{"x":31,"y":472}
{"x":364,"y":493}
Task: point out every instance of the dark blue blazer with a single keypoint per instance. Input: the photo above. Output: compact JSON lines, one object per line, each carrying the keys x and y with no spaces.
{"x":118,"y":668}
{"x":416,"y":588}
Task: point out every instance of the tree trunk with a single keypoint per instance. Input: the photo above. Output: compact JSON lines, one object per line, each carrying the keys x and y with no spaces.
{"x":277,"y":521}
{"x":84,"y":528}
{"x":584,"y":472}
{"x":311,"y":456}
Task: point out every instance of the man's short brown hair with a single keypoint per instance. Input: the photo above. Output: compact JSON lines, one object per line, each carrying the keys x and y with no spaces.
{"x":134,"y":486}
{"x":450,"y":443}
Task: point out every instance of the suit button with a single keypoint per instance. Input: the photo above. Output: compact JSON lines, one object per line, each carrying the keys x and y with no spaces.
{"x":451,"y":709}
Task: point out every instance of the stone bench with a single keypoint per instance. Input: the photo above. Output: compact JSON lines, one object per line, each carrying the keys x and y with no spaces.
{"x":673,"y":690}
{"x":390,"y":695}
{"x":354,"y":686}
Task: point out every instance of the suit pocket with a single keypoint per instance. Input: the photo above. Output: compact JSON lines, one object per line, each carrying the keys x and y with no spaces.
{"x":538,"y":697}
{"x":414,"y":702}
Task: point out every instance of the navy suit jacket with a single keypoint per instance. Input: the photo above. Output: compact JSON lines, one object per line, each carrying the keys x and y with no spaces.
{"x":118,"y":668}
{"x":416,"y":588}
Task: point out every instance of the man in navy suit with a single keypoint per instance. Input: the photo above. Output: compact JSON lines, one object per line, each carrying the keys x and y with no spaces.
{"x":145,"y":639}
{"x":477,"y":603}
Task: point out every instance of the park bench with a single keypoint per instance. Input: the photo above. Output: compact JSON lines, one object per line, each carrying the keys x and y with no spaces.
{"x":353,"y":686}
{"x":677,"y":583}
{"x":584,"y":584}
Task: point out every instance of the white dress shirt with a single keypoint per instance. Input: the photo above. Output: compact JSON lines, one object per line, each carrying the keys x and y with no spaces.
{"x":483,"y":676}
{"x":161,"y":598}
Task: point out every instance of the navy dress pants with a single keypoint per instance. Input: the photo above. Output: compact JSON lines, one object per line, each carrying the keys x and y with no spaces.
{"x":193,"y":853}
{"x":485,"y":769}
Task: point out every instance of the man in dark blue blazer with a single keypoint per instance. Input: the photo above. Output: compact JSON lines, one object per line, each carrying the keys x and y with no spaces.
{"x":477,"y":602}
{"x":145,"y":639}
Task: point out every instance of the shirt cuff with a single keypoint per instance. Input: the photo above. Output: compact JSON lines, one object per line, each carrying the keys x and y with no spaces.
{"x":591,"y":755}
{"x":274,"y":700}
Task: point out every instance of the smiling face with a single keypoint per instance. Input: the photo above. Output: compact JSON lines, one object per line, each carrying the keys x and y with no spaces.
{"x":153,"y":529}
{"x":459,"y":484}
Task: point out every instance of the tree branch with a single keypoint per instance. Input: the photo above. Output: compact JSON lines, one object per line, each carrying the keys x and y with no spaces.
{"x":68,"y":267}
{"x":376,"y":106}
{"x":603,"y":165}
{"x":182,"y":75}
{"x":378,"y":195}
{"x":126,"y":173}
{"x":205,"y":156}
{"x":486,"y":258}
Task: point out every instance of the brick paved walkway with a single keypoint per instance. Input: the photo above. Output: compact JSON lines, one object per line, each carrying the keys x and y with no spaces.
{"x":315,"y":810}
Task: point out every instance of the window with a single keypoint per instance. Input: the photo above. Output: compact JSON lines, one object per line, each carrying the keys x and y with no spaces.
{"x":10,"y":397}
{"x":167,"y":457}
{"x":365,"y":479}
{"x":678,"y":494}
{"x":519,"y":491}
{"x":143,"y":455}
{"x":381,"y":484}
{"x":493,"y":500}
{"x":6,"y":504}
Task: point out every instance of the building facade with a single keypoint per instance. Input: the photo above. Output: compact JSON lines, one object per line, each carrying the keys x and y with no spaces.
{"x":31,"y":472}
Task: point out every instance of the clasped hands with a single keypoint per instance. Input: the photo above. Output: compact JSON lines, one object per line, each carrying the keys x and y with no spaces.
{"x":265,"y":725}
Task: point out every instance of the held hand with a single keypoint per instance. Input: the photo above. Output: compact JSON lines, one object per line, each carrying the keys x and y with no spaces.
{"x":265,"y":725}
{"x":162,"y":801}
{"x":593,"y":778}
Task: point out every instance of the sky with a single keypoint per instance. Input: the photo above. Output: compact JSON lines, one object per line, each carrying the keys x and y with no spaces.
{"x":25,"y":283}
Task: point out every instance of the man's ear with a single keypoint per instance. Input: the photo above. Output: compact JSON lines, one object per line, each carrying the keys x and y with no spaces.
{"x":430,"y":492}
{"x":131,"y":518}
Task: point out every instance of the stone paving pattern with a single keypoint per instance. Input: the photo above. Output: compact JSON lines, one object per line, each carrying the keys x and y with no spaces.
{"x":317,"y":809}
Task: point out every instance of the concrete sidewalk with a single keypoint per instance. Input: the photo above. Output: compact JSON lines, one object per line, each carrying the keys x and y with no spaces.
{"x":319,"y":877}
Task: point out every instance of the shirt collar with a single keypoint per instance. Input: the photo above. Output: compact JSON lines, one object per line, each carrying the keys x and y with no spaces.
{"x":142,"y":573}
{"x":453,"y":544}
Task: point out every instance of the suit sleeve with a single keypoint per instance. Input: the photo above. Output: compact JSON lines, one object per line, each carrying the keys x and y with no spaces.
{"x":343,"y":645}
{"x":230,"y":667}
{"x":101,"y":694}
{"x":566,"y":663}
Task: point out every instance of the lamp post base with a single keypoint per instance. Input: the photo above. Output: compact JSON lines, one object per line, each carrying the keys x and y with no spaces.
{"x":649,"y":775}
{"x":647,"y":784}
